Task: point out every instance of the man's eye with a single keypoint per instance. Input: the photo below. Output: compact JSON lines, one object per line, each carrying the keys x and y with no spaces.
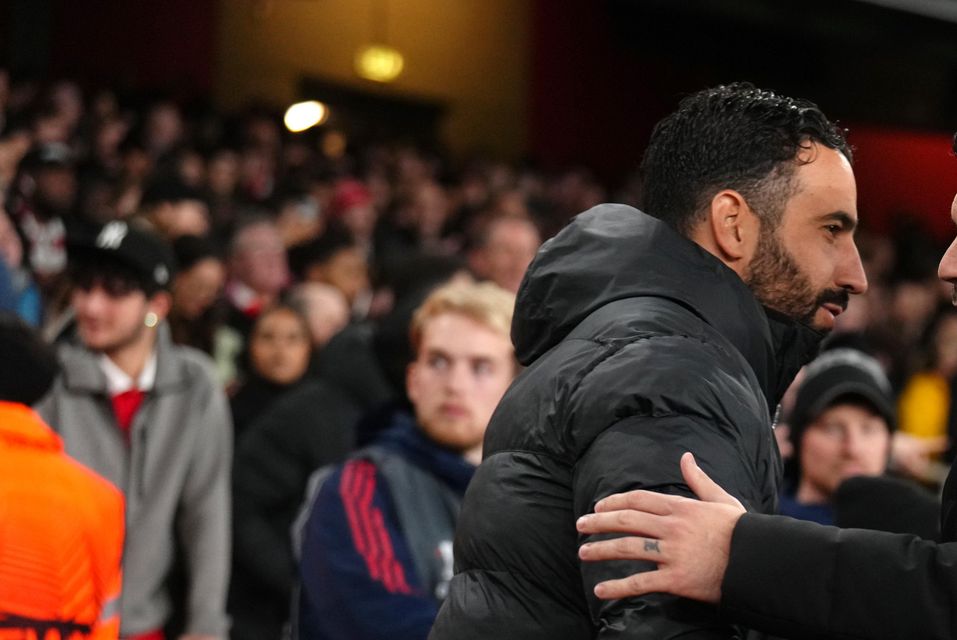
{"x":438,"y":362}
{"x":482,"y":368}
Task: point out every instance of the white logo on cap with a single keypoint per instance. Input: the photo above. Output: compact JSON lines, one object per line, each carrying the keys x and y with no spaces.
{"x":161,"y":274}
{"x":111,"y":237}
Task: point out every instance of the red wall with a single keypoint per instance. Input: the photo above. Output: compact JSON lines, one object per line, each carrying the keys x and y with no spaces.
{"x":591,"y":103}
{"x":904,"y":172}
{"x":167,"y":44}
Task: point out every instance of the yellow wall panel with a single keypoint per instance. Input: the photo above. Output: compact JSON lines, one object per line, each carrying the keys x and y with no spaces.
{"x":470,"y":54}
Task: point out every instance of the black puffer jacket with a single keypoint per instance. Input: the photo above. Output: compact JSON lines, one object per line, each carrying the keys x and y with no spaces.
{"x":640,"y":345}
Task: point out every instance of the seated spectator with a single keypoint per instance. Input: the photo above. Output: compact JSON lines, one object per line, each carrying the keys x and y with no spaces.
{"x":25,"y":295}
{"x":175,"y":209}
{"x":377,"y":542}
{"x":503,"y":251}
{"x":368,"y":359}
{"x":43,"y":202}
{"x":62,"y":524}
{"x":258,"y":273}
{"x":354,"y":211}
{"x":334,"y":259}
{"x":841,"y":426}
{"x":418,"y":225}
{"x":311,"y":426}
{"x":197,"y":286}
{"x":314,"y":425}
{"x":325,"y":308}
{"x":279,"y":350}
{"x":222,"y":181}
{"x":149,"y":416}
{"x":926,"y":405}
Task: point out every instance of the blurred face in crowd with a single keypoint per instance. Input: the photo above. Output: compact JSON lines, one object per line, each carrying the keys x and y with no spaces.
{"x":191,"y":168}
{"x":68,"y":101}
{"x":259,"y":259}
{"x":849,"y":439}
{"x":56,"y":188}
{"x":50,"y":128}
{"x":346,"y":270}
{"x":360,"y":219}
{"x":430,"y":210}
{"x":164,"y":127}
{"x":509,"y":249}
{"x":327,"y":311}
{"x":111,"y":311}
{"x":808,"y":266}
{"x":196,"y":289}
{"x":223,"y":173}
{"x":279,"y":346}
{"x":460,"y":373}
{"x":181,"y":218}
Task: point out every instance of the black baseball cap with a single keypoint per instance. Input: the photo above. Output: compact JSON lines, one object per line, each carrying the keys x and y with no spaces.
{"x":140,"y":253}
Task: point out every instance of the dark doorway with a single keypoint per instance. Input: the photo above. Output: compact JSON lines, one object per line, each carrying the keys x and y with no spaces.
{"x":367,"y":116}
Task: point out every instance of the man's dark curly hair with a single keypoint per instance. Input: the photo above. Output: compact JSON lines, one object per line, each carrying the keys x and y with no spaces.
{"x":734,"y":136}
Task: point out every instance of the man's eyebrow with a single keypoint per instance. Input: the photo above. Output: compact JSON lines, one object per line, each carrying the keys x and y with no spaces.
{"x":847,"y":220}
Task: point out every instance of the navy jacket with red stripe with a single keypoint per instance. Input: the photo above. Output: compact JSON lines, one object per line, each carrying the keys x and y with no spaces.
{"x":359,"y":576}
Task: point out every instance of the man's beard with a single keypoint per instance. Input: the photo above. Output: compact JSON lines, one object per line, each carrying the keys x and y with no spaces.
{"x":779,"y":283}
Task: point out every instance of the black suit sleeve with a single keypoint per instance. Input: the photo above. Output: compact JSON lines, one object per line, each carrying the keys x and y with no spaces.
{"x":799,"y":579}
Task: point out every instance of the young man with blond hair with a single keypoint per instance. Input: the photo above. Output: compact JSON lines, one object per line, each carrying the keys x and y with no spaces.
{"x":377,"y":547}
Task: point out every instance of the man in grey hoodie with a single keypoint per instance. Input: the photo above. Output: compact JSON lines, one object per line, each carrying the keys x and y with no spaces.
{"x":149,"y":416}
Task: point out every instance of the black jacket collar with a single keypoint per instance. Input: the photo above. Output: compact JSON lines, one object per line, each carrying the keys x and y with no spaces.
{"x":613,"y":252}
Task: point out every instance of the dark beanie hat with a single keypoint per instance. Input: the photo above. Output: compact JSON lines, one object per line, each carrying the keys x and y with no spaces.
{"x":837,"y":375}
{"x":29,"y":364}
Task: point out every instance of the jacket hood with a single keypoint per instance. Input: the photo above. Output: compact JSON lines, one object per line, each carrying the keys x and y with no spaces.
{"x":404,"y":437}
{"x":614,"y":251}
{"x":20,"y":426}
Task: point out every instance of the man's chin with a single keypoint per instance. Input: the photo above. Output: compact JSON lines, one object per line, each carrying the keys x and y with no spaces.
{"x":823,"y":320}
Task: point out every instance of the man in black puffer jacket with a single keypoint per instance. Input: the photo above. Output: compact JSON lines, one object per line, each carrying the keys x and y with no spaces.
{"x":646,"y":337}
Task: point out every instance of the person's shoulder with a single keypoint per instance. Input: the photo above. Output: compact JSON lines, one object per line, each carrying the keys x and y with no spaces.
{"x":346,"y":483}
{"x":191,"y":367}
{"x":316,"y":400}
{"x":88,"y":484}
{"x":71,"y":354}
{"x":191,"y":357}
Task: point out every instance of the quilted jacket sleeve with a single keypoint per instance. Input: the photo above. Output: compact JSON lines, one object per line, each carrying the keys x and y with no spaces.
{"x":643,"y":453}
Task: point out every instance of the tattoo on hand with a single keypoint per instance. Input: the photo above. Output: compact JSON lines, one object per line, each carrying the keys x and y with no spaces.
{"x":652,"y":545}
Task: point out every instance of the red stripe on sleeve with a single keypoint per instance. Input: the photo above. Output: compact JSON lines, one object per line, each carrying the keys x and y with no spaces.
{"x":348,"y":492}
{"x":368,"y":528}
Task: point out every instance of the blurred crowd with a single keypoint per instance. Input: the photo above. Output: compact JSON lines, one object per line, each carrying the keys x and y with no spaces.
{"x":300,"y":259}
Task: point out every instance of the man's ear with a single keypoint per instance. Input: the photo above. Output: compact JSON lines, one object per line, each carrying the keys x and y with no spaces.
{"x":160,"y":304}
{"x":734,"y":229}
{"x":411,"y":378}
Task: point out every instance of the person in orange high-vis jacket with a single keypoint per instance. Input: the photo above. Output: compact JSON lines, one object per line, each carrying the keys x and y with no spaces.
{"x":61,"y":524}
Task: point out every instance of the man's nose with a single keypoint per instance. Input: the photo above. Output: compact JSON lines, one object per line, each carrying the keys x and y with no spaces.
{"x":97,"y":297}
{"x":948,"y":264}
{"x":850,"y":275}
{"x":458,"y":377}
